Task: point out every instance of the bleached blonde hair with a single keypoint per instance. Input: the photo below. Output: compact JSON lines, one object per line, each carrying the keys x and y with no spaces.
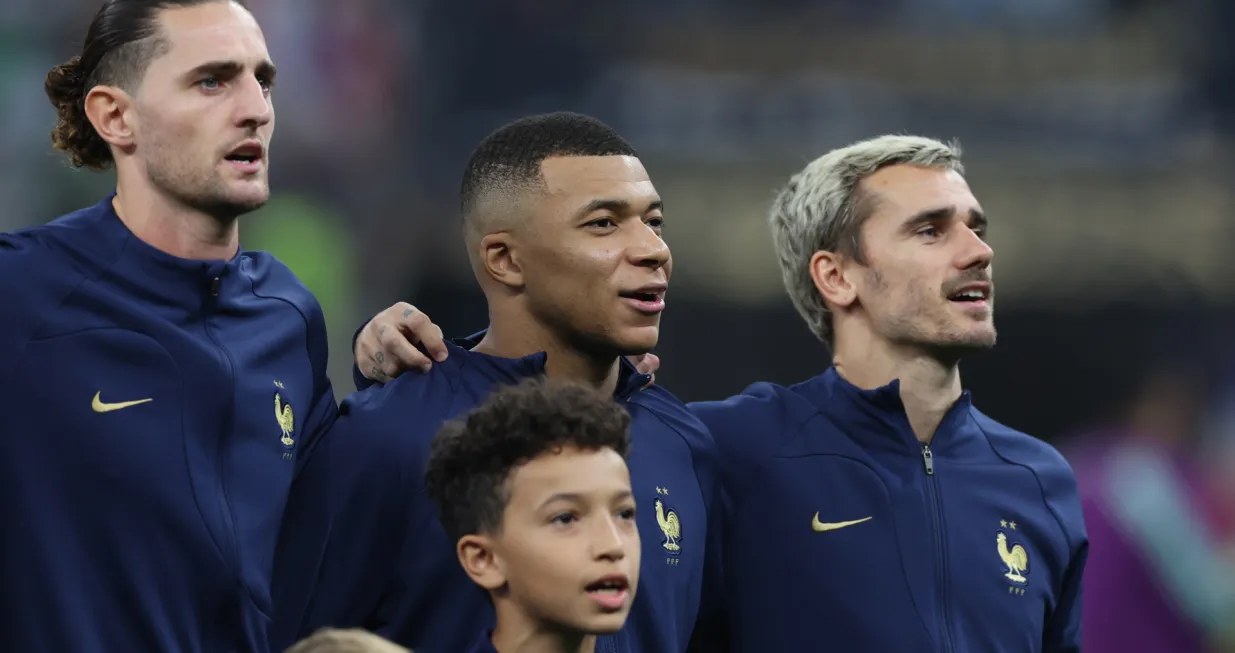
{"x":822,"y":208}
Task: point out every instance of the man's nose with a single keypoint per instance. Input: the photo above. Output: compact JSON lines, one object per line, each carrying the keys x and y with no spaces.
{"x":254,"y":108}
{"x":649,"y":249}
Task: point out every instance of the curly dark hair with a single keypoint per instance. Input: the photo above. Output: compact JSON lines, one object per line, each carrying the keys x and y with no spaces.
{"x":122,"y":40}
{"x":472,"y":457}
{"x":510,"y":157}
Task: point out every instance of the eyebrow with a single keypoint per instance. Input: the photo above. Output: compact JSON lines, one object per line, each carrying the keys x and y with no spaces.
{"x":578,"y":498}
{"x":977,"y":219}
{"x":616,"y":206}
{"x":231,"y":69}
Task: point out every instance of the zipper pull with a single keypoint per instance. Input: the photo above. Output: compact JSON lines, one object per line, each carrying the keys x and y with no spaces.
{"x":928,"y":459}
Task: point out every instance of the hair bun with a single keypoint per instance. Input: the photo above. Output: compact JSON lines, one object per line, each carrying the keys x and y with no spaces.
{"x":64,"y":83}
{"x":66,"y":89}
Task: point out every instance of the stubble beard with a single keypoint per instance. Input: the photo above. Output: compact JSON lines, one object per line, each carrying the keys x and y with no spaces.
{"x":203,"y":191}
{"x":927,"y":325}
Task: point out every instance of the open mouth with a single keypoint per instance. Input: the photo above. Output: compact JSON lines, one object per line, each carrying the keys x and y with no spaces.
{"x":971,"y":294}
{"x":649,"y":299}
{"x":609,"y":585}
{"x":249,"y":153}
{"x":610,"y":593}
{"x":642,"y":296}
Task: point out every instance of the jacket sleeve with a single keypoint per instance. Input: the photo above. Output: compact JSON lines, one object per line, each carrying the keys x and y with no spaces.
{"x":33,"y":280}
{"x":1062,"y":633}
{"x":728,"y":423}
{"x":711,"y":632}
{"x":325,"y":409}
{"x":1063,"y":627}
{"x":16,"y":312}
{"x":352,"y":508}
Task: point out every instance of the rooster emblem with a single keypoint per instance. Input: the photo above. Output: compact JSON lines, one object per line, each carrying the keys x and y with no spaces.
{"x":669,"y":525}
{"x":1016,"y":559}
{"x":283,"y":414}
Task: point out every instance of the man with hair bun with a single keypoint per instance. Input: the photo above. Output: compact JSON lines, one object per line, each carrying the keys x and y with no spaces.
{"x":159,"y":386}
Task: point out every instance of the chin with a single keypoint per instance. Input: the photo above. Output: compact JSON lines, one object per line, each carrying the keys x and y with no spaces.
{"x":237,"y":202}
{"x":961,"y":345}
{"x":605,"y":624}
{"x":982,"y":338}
{"x":954,"y":344}
{"x":252,"y":194}
{"x":633,"y":341}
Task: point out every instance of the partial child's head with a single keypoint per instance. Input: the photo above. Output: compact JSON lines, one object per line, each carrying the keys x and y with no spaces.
{"x":533,"y":487}
{"x":560,"y":215}
{"x":351,"y":640}
{"x":176,"y":92}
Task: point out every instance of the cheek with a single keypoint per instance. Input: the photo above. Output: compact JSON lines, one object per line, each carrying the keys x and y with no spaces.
{"x":913,"y":294}
{"x":176,"y":138}
{"x":572,"y":277}
{"x":890,"y":290}
{"x":537,"y":566}
{"x":634,"y":552}
{"x":597,"y":270}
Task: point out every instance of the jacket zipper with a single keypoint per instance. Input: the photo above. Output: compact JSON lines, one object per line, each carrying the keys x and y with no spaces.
{"x":229,"y":416}
{"x":941,"y":560}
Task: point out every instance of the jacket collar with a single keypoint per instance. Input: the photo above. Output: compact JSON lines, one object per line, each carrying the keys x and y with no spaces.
{"x":512,"y":370}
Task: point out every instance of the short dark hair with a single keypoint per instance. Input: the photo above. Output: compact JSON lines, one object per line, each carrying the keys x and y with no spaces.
{"x":510,"y":157}
{"x":471,"y":458}
{"x":122,"y":40}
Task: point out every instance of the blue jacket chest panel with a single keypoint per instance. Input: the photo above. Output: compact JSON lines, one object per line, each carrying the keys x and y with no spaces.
{"x":890,"y":557}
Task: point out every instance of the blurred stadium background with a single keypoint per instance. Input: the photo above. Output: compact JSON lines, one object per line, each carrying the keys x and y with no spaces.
{"x":1097,"y":135}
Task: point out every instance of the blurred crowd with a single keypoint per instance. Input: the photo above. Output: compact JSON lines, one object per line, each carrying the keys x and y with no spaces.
{"x":1156,"y":482}
{"x":1097,"y":133}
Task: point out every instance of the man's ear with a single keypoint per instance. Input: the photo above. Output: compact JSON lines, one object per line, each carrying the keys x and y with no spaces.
{"x":108,"y":108}
{"x":498,"y":257}
{"x":479,"y":558}
{"x":828,"y":271}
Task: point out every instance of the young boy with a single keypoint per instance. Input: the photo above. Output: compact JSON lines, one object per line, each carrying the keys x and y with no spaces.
{"x":532,"y":486}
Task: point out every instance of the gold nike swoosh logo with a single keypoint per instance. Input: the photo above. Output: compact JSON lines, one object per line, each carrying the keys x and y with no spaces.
{"x":100,"y":407}
{"x":821,"y":526}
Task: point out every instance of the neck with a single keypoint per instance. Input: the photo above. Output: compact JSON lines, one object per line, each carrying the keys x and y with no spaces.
{"x":929,"y":386}
{"x":516,"y":633}
{"x":514,"y":335}
{"x":173,"y":228}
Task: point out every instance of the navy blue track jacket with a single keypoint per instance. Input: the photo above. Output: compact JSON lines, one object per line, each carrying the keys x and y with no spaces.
{"x":382,"y":560}
{"x":842,"y":532}
{"x":155,"y":410}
